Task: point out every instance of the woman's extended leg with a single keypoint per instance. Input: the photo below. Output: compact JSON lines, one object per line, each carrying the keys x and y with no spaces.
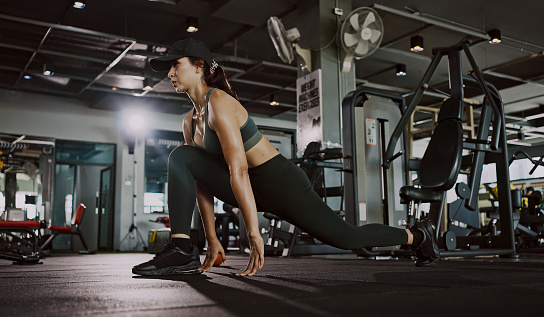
{"x":283,"y":189}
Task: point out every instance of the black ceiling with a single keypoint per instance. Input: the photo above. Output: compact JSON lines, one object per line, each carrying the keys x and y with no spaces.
{"x":106,"y":46}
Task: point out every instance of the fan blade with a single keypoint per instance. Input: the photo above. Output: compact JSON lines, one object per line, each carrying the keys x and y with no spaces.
{"x":351,"y":39}
{"x":362,"y":48}
{"x":374,"y":35}
{"x":370,"y":18}
{"x":354,"y":20}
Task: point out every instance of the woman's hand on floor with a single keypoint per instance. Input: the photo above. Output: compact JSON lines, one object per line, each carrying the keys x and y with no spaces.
{"x":256,"y":256}
{"x":214,"y":250}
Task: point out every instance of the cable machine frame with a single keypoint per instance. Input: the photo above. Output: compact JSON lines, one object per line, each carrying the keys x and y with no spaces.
{"x":484,"y":150}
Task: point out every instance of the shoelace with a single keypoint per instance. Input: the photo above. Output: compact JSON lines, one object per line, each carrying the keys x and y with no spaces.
{"x":166,"y":249}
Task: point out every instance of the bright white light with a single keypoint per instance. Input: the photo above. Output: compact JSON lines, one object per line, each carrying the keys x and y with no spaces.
{"x":135,"y":121}
{"x":79,"y":4}
{"x":47,"y":72}
{"x":536,"y":116}
{"x":417,"y":48}
{"x":274,"y":103}
{"x":192,"y":29}
{"x":495,"y":41}
{"x":27,"y":77}
{"x":401,"y":73}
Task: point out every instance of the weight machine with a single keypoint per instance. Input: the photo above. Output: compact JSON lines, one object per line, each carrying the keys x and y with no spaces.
{"x":489,"y":146}
{"x":371,"y":191}
{"x":440,"y":166}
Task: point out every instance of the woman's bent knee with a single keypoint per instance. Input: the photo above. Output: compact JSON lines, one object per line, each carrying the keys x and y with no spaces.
{"x":181,"y":153}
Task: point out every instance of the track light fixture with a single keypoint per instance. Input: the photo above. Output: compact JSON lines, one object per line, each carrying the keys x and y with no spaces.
{"x":192,"y":25}
{"x":416,"y":43}
{"x":495,"y":36}
{"x":79,"y":4}
{"x":148,"y":84}
{"x":48,"y":69}
{"x":273,"y":101}
{"x":401,"y":70}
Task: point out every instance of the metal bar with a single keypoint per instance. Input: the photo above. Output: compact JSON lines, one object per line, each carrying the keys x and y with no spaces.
{"x":481,"y":252}
{"x":460,"y":29}
{"x":21,"y":74}
{"x":50,"y":52}
{"x":110,"y":66}
{"x":282,"y":66}
{"x":514,"y":61}
{"x":478,"y":159}
{"x":456,"y":74}
{"x":133,"y":93}
{"x":65,"y":28}
{"x":423,"y":84}
{"x":256,"y":83}
{"x":513,"y":78}
{"x":249,"y":70}
{"x":402,"y":37}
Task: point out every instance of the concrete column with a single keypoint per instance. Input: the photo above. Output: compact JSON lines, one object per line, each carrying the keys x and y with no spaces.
{"x":319,"y":26}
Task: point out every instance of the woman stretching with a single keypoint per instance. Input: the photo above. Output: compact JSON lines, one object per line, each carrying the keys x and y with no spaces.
{"x":226,"y":156}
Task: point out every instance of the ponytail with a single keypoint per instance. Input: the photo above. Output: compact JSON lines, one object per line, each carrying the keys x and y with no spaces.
{"x":217,"y":79}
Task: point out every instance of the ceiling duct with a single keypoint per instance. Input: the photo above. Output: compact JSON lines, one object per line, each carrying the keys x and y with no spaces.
{"x":174,"y":2}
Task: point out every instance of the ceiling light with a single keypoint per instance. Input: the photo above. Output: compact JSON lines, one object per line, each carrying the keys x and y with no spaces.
{"x":495,"y":36}
{"x":401,"y":70}
{"x":79,"y":4}
{"x":536,"y":116}
{"x":273,"y":101}
{"x":148,"y":84}
{"x":416,"y":43}
{"x":27,"y":77}
{"x":48,"y":69}
{"x":192,"y":25}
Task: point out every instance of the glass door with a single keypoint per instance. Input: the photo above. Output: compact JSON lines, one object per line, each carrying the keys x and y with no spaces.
{"x":105,"y":210}
{"x":63,"y":202}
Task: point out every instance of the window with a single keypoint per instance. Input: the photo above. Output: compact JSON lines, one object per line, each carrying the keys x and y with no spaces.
{"x":158,"y":145}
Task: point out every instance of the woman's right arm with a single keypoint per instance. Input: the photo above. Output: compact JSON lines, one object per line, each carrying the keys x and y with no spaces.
{"x":205,"y":205}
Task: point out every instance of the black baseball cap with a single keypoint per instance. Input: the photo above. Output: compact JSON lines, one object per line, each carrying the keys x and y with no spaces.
{"x":182,"y":48}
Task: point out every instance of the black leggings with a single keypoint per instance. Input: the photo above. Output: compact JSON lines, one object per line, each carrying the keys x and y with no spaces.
{"x":279,"y":187}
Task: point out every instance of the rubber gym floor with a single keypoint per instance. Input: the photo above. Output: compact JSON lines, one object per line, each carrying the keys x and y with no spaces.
{"x":102,"y":284}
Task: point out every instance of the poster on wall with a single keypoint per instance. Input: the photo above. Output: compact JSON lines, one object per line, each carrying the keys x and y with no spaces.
{"x":308,"y":110}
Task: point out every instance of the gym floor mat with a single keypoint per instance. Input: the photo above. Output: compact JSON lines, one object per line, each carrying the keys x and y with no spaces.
{"x":102,"y":284}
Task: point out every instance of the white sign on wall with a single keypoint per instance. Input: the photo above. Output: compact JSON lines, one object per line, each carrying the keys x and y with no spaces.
{"x":370,"y":131}
{"x":309,"y":127}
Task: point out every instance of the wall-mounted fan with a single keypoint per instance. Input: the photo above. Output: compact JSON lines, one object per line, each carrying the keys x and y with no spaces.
{"x":30,"y":169}
{"x":284,"y":42}
{"x":361,"y":34}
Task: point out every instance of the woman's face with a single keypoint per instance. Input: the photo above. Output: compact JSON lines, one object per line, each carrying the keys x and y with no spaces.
{"x":183,"y":74}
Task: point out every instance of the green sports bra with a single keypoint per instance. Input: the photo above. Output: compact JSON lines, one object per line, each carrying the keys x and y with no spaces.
{"x":250,"y":134}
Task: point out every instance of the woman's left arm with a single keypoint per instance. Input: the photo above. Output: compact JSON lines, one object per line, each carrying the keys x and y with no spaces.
{"x":223,"y":120}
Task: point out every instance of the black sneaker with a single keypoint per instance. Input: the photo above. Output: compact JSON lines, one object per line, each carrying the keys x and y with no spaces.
{"x":170,"y":260}
{"x":427,"y":253}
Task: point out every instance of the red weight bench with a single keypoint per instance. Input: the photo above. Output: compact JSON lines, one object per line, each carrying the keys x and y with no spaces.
{"x":72,"y":230}
{"x":29,"y":227}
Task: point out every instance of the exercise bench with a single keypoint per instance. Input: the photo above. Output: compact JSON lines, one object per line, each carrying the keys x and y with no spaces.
{"x":30,"y":227}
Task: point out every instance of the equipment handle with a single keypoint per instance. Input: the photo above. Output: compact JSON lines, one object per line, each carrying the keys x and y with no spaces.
{"x":388,"y":161}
